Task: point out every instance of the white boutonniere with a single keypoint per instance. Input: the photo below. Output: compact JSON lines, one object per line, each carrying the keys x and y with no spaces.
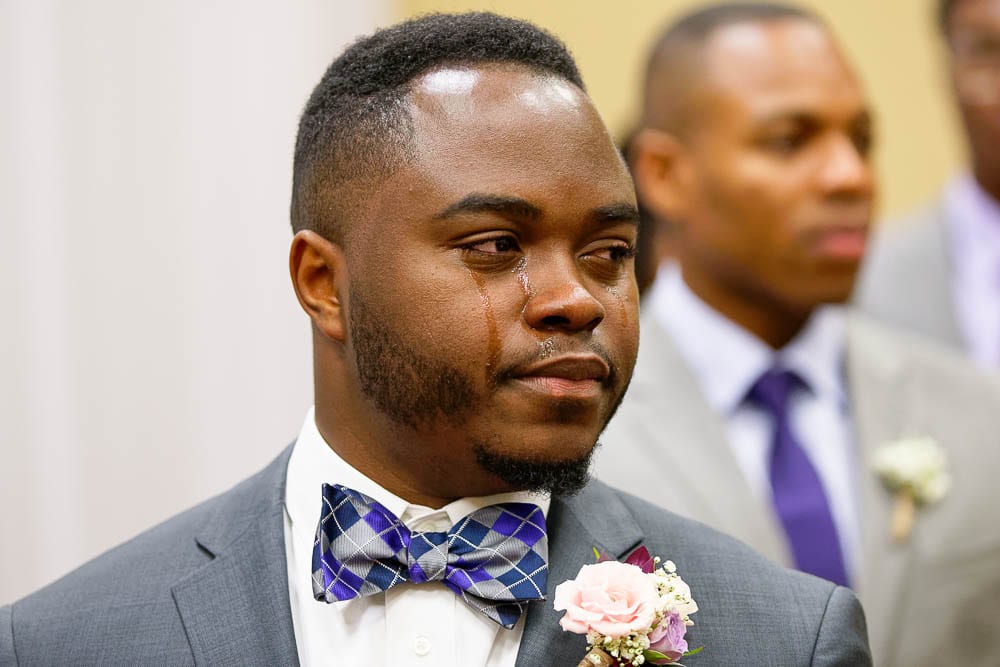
{"x":632,"y":613}
{"x":915,"y":470}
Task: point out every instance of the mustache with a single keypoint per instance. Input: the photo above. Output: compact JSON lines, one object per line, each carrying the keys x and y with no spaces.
{"x":549,"y":349}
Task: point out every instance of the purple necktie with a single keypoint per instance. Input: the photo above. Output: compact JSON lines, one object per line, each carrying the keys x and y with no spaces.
{"x":796,"y":489}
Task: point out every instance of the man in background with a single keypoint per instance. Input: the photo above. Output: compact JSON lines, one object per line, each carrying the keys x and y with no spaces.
{"x":938,"y":271}
{"x":759,"y":404}
{"x":464,"y":233}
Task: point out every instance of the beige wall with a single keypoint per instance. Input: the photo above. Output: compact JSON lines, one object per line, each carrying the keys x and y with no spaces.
{"x":891,"y":41}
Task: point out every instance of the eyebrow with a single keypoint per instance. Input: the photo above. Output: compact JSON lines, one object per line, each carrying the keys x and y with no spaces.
{"x":517,"y":208}
{"x":863,"y":115}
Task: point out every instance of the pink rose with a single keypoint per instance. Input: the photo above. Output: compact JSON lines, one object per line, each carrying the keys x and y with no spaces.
{"x":668,"y":638}
{"x":614,"y":599}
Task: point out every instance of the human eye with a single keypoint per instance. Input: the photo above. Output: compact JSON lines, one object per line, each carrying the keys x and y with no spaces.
{"x":862,"y":140}
{"x":618,"y":253}
{"x":786,"y":137}
{"x":784,"y":143}
{"x":494,"y":245}
{"x":609,"y":260}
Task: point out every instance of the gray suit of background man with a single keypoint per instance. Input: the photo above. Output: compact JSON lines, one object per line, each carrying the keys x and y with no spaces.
{"x":938,"y":271}
{"x":755,"y":148}
{"x":464,"y":239}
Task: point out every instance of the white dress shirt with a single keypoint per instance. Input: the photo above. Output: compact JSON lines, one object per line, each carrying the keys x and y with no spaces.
{"x":727,"y":360}
{"x":973,"y":219}
{"x":410,"y":625}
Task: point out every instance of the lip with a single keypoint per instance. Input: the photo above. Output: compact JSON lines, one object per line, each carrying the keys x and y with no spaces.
{"x":570,"y":376}
{"x":842,"y":242}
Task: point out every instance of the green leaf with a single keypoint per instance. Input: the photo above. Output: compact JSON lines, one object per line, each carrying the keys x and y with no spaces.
{"x":650,"y":654}
{"x":695,"y":651}
{"x":597,"y":554}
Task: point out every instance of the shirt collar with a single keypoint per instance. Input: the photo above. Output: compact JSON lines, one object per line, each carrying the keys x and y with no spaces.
{"x":313,"y":463}
{"x":727,"y":359}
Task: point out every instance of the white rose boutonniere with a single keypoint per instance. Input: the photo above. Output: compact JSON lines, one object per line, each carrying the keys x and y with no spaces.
{"x":915,"y":470}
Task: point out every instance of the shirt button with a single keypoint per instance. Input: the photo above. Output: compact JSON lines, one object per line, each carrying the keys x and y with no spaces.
{"x":422,"y":646}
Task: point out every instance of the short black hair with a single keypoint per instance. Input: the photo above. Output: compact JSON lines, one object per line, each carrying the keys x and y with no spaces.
{"x":700,"y":23}
{"x":676,"y":51}
{"x":355,"y":129}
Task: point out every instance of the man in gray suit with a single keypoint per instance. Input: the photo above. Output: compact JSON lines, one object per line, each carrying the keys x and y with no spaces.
{"x":463,"y":248}
{"x":754,"y":382}
{"x":938,"y":271}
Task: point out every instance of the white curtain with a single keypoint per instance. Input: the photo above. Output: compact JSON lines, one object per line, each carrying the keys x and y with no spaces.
{"x":151,"y":349}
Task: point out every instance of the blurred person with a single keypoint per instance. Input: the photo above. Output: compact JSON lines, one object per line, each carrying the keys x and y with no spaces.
{"x":938,"y":271}
{"x":653,"y":247}
{"x":464,"y":232}
{"x":759,"y":405}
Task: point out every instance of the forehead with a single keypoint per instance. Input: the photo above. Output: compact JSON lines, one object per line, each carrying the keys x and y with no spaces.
{"x":776,"y":66}
{"x":504,"y":127}
{"x":976,"y":14}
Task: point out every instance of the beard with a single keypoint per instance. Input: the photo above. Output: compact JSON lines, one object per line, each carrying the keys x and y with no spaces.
{"x":404,"y":384}
{"x":420,"y":392}
{"x":557,"y":478}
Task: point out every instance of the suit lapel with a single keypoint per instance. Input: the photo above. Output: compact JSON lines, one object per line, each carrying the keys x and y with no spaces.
{"x":881,"y":402}
{"x":236,"y":608}
{"x":690,"y":436}
{"x":594,"y":519}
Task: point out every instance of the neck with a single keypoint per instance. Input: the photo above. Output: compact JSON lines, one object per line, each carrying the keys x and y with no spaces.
{"x":772,"y":321}
{"x":988,"y":182}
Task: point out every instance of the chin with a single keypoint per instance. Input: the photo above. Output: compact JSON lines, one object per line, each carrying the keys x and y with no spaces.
{"x":831,"y":289}
{"x":556,"y":466}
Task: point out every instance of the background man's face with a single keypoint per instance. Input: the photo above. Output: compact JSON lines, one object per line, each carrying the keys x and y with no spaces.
{"x":974,"y":41}
{"x":781,"y":189}
{"x":493,"y":306}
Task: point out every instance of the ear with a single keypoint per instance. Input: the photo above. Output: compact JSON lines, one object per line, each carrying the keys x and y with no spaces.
{"x":319,"y":274}
{"x":663,"y":175}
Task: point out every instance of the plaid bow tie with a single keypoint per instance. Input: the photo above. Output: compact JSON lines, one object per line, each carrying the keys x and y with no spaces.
{"x":495,"y":559}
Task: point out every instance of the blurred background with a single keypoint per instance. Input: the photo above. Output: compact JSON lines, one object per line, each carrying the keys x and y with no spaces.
{"x":151,"y":349}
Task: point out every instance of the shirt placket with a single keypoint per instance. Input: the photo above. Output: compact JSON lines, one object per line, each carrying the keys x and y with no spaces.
{"x":421,"y":619}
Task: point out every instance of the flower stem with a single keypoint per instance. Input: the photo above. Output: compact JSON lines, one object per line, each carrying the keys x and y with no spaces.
{"x":597,"y":658}
{"x":903,"y":513}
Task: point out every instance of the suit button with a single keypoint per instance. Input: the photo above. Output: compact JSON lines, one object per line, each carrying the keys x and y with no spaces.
{"x":422,"y":646}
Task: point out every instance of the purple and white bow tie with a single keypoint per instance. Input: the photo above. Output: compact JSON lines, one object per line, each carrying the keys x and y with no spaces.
{"x":495,"y":559}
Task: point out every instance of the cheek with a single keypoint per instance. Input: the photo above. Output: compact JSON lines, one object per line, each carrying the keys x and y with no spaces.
{"x":756,"y":208}
{"x":620,"y":329}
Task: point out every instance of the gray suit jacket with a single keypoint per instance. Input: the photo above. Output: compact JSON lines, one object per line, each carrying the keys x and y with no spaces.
{"x":934,"y":600}
{"x":907,"y":278}
{"x":209,"y":587}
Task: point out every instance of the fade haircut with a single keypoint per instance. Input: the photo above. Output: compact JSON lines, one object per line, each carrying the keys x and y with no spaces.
{"x":675,"y":54}
{"x":355,"y":130}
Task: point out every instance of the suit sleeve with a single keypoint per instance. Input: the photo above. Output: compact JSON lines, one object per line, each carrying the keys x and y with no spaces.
{"x":843,"y":633}
{"x":7,"y":656}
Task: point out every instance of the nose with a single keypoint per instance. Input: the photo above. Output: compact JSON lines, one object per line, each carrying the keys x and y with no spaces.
{"x":846,"y":172}
{"x":559,"y":302}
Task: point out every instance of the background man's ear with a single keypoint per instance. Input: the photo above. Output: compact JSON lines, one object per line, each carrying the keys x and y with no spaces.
{"x":663,"y":179}
{"x":319,"y":274}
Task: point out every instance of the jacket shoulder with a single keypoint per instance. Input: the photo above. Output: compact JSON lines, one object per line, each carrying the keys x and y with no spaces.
{"x":928,"y":362}
{"x":125,"y":593}
{"x":900,"y":246}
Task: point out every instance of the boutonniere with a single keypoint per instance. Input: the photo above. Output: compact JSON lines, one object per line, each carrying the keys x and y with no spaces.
{"x":633,"y":612}
{"x":915,"y":470}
